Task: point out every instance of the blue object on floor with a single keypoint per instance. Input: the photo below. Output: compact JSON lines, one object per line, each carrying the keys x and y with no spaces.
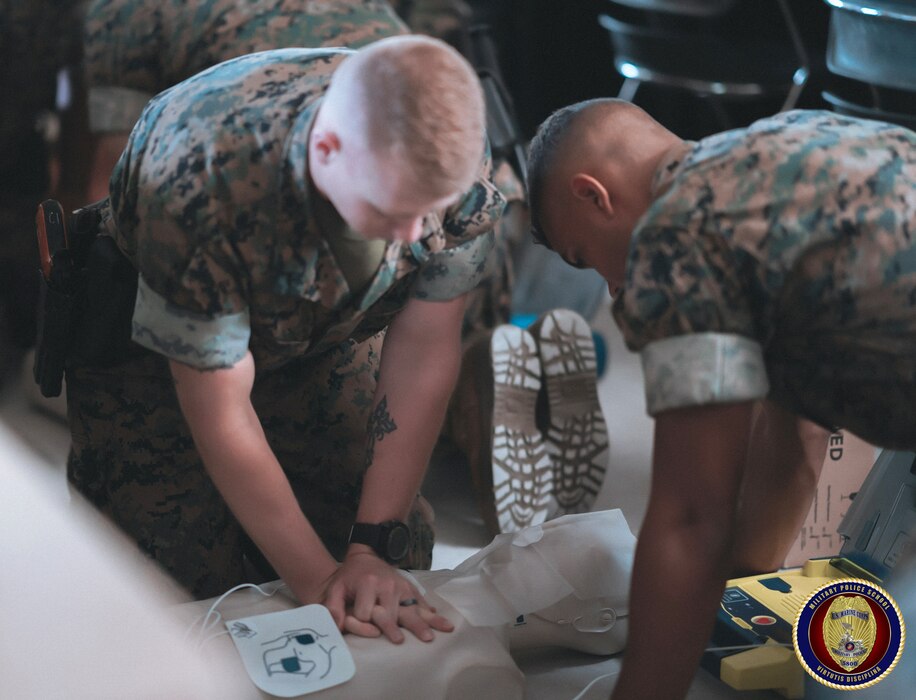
{"x":523,"y":320}
{"x":600,"y":353}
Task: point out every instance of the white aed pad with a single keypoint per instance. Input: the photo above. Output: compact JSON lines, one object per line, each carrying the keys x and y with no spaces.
{"x":293,"y":652}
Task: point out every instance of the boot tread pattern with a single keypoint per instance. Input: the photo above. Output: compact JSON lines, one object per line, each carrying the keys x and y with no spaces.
{"x":577,"y":436}
{"x":521,"y":466}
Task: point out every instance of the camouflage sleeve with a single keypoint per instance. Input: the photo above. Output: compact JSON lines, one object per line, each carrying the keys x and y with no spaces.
{"x":191,"y":305}
{"x":702,"y":368}
{"x":468,"y":227}
{"x":121,"y":52}
{"x":684,"y":308}
{"x":187,"y":336}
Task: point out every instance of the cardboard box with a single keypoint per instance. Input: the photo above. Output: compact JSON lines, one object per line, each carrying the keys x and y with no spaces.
{"x":846,"y":465}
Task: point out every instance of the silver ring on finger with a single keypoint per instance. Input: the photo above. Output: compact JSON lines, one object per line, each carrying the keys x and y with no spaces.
{"x":407,"y":602}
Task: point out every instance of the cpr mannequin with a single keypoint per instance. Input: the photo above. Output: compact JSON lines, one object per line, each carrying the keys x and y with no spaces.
{"x":564,"y":583}
{"x":86,"y":617}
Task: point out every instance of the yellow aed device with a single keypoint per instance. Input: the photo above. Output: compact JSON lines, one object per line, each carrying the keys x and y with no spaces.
{"x":751,"y":647}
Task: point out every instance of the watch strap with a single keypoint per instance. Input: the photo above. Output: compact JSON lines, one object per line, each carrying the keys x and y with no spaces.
{"x":369,"y":534}
{"x":379,"y":538}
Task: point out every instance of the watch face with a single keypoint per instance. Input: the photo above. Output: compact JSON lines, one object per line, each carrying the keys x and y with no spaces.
{"x":398,"y":542}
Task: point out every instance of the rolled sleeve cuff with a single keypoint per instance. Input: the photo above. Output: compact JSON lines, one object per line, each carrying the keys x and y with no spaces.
{"x":452,"y":272}
{"x":703,"y":368}
{"x":187,"y":337}
{"x":115,"y":108}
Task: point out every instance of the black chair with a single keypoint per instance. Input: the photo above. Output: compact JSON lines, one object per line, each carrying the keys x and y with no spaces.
{"x":713,"y":48}
{"x":871,"y":49}
{"x":853,"y":109}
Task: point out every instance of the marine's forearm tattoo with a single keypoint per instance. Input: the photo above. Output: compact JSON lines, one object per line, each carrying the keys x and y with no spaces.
{"x":379,"y":425}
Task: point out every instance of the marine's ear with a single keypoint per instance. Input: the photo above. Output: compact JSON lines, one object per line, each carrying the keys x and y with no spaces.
{"x":588,"y":188}
{"x":325,"y":145}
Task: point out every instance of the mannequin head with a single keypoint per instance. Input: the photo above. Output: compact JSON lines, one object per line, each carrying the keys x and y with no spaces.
{"x":564,"y":583}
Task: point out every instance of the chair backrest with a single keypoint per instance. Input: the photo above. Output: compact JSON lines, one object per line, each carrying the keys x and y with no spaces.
{"x":725,"y":53}
{"x":693,"y":8}
{"x":852,"y":109}
{"x":874,"y":42}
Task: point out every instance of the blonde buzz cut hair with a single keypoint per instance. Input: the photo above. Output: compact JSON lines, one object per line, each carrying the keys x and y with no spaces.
{"x":420,"y":102}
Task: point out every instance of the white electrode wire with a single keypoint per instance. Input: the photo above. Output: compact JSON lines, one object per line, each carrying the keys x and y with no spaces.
{"x":203,"y":642}
{"x":593,"y":683}
{"x":206,"y":625}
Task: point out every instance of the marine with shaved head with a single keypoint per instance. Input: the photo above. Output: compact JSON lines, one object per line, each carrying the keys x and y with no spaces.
{"x":767,"y":277}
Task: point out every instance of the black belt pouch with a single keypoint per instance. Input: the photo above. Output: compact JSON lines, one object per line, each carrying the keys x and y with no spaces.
{"x":106,"y":306}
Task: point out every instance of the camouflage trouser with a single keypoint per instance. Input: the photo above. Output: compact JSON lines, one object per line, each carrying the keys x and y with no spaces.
{"x":134,"y":459}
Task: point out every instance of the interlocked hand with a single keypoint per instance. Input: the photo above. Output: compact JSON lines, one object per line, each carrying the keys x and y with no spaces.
{"x":368,"y":597}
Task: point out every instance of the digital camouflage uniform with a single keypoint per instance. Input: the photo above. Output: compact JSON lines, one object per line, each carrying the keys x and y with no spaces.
{"x":134,"y":49}
{"x":780,"y":261}
{"x":211,"y":202}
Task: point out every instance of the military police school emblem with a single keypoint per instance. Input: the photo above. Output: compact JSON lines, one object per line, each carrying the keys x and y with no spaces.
{"x":849,"y":634}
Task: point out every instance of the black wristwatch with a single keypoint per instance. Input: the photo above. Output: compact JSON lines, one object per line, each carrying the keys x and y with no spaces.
{"x":390,"y":540}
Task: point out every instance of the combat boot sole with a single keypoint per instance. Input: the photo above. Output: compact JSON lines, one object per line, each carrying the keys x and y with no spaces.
{"x":575,"y":429}
{"x":521,"y":470}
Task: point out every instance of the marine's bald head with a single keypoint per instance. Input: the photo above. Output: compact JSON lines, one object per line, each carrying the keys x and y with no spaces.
{"x":588,"y":136}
